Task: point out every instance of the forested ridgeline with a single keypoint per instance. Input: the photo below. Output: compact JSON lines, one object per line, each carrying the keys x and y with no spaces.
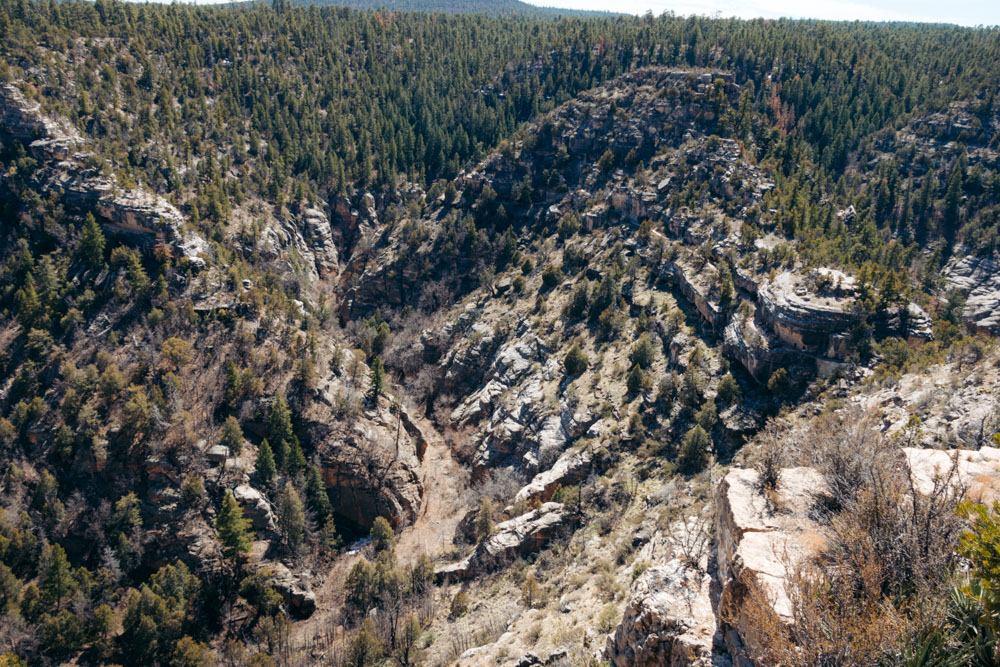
{"x":212,"y":105}
{"x":493,"y":7}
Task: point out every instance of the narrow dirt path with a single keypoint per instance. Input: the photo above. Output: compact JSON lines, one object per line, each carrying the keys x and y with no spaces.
{"x":444,"y":482}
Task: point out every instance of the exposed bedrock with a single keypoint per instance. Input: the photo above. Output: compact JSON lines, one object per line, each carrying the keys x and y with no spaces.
{"x":510,"y":539}
{"x":979,"y":280}
{"x":370,"y":464}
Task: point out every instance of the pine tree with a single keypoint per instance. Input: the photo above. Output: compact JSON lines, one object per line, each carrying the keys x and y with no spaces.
{"x":316,"y":497}
{"x":234,"y":530}
{"x":231,"y":435}
{"x":484,"y":518}
{"x":58,"y":582}
{"x":377,"y":381}
{"x":266,"y":469}
{"x":91,"y":247}
{"x":279,"y":430}
{"x":296,"y":459}
{"x":383,"y":536}
{"x":234,"y":384}
{"x":292,"y":518}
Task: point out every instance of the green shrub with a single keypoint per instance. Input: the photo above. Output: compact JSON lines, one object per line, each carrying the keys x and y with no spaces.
{"x":576,"y":361}
{"x":551,"y":276}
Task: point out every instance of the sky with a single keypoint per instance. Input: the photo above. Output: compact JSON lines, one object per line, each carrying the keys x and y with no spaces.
{"x":963,"y":12}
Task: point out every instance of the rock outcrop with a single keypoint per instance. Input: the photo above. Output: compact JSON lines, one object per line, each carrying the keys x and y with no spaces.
{"x":521,"y":429}
{"x":300,"y":600}
{"x":257,"y":508}
{"x":668,"y":620}
{"x":370,"y":465}
{"x":22,"y":119}
{"x":135,"y":213}
{"x":570,"y":468}
{"x":301,"y":245}
{"x":510,"y":539}
{"x":975,"y":472}
{"x":759,"y":542}
{"x":979,"y":280}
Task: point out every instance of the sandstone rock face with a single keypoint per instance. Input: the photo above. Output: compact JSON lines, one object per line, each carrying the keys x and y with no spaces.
{"x":758,"y":544}
{"x":979,"y":280}
{"x":367,"y":484}
{"x":520,"y":429}
{"x":668,"y":620}
{"x":745,"y":342}
{"x":372,"y":465}
{"x":952,"y":408}
{"x":515,"y":537}
{"x":690,"y":283}
{"x":806,"y":322}
{"x":319,"y":236}
{"x":977,"y":471}
{"x":24,"y":120}
{"x":301,"y":245}
{"x":571,"y":468}
{"x":192,"y":541}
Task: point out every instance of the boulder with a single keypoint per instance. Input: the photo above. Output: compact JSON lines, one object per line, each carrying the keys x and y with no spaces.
{"x":256,"y":507}
{"x":301,"y":601}
{"x":978,"y":472}
{"x":217,"y":454}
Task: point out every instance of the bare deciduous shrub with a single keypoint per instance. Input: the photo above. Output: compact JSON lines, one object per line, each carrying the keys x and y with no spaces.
{"x":883,"y":573}
{"x":769,"y":455}
{"x":874,"y":508}
{"x":690,"y":540}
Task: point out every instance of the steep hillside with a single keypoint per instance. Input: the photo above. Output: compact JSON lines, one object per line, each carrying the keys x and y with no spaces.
{"x":389,"y":338}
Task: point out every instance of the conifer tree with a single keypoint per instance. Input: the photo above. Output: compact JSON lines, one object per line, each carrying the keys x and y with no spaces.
{"x":58,"y":582}
{"x":91,"y":247}
{"x":383,"y":536}
{"x":266,"y":469}
{"x":231,"y":435}
{"x":234,"y":530}
{"x":279,"y":430}
{"x":377,"y":381}
{"x":292,"y":518}
{"x":316,"y":497}
{"x":296,"y":459}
